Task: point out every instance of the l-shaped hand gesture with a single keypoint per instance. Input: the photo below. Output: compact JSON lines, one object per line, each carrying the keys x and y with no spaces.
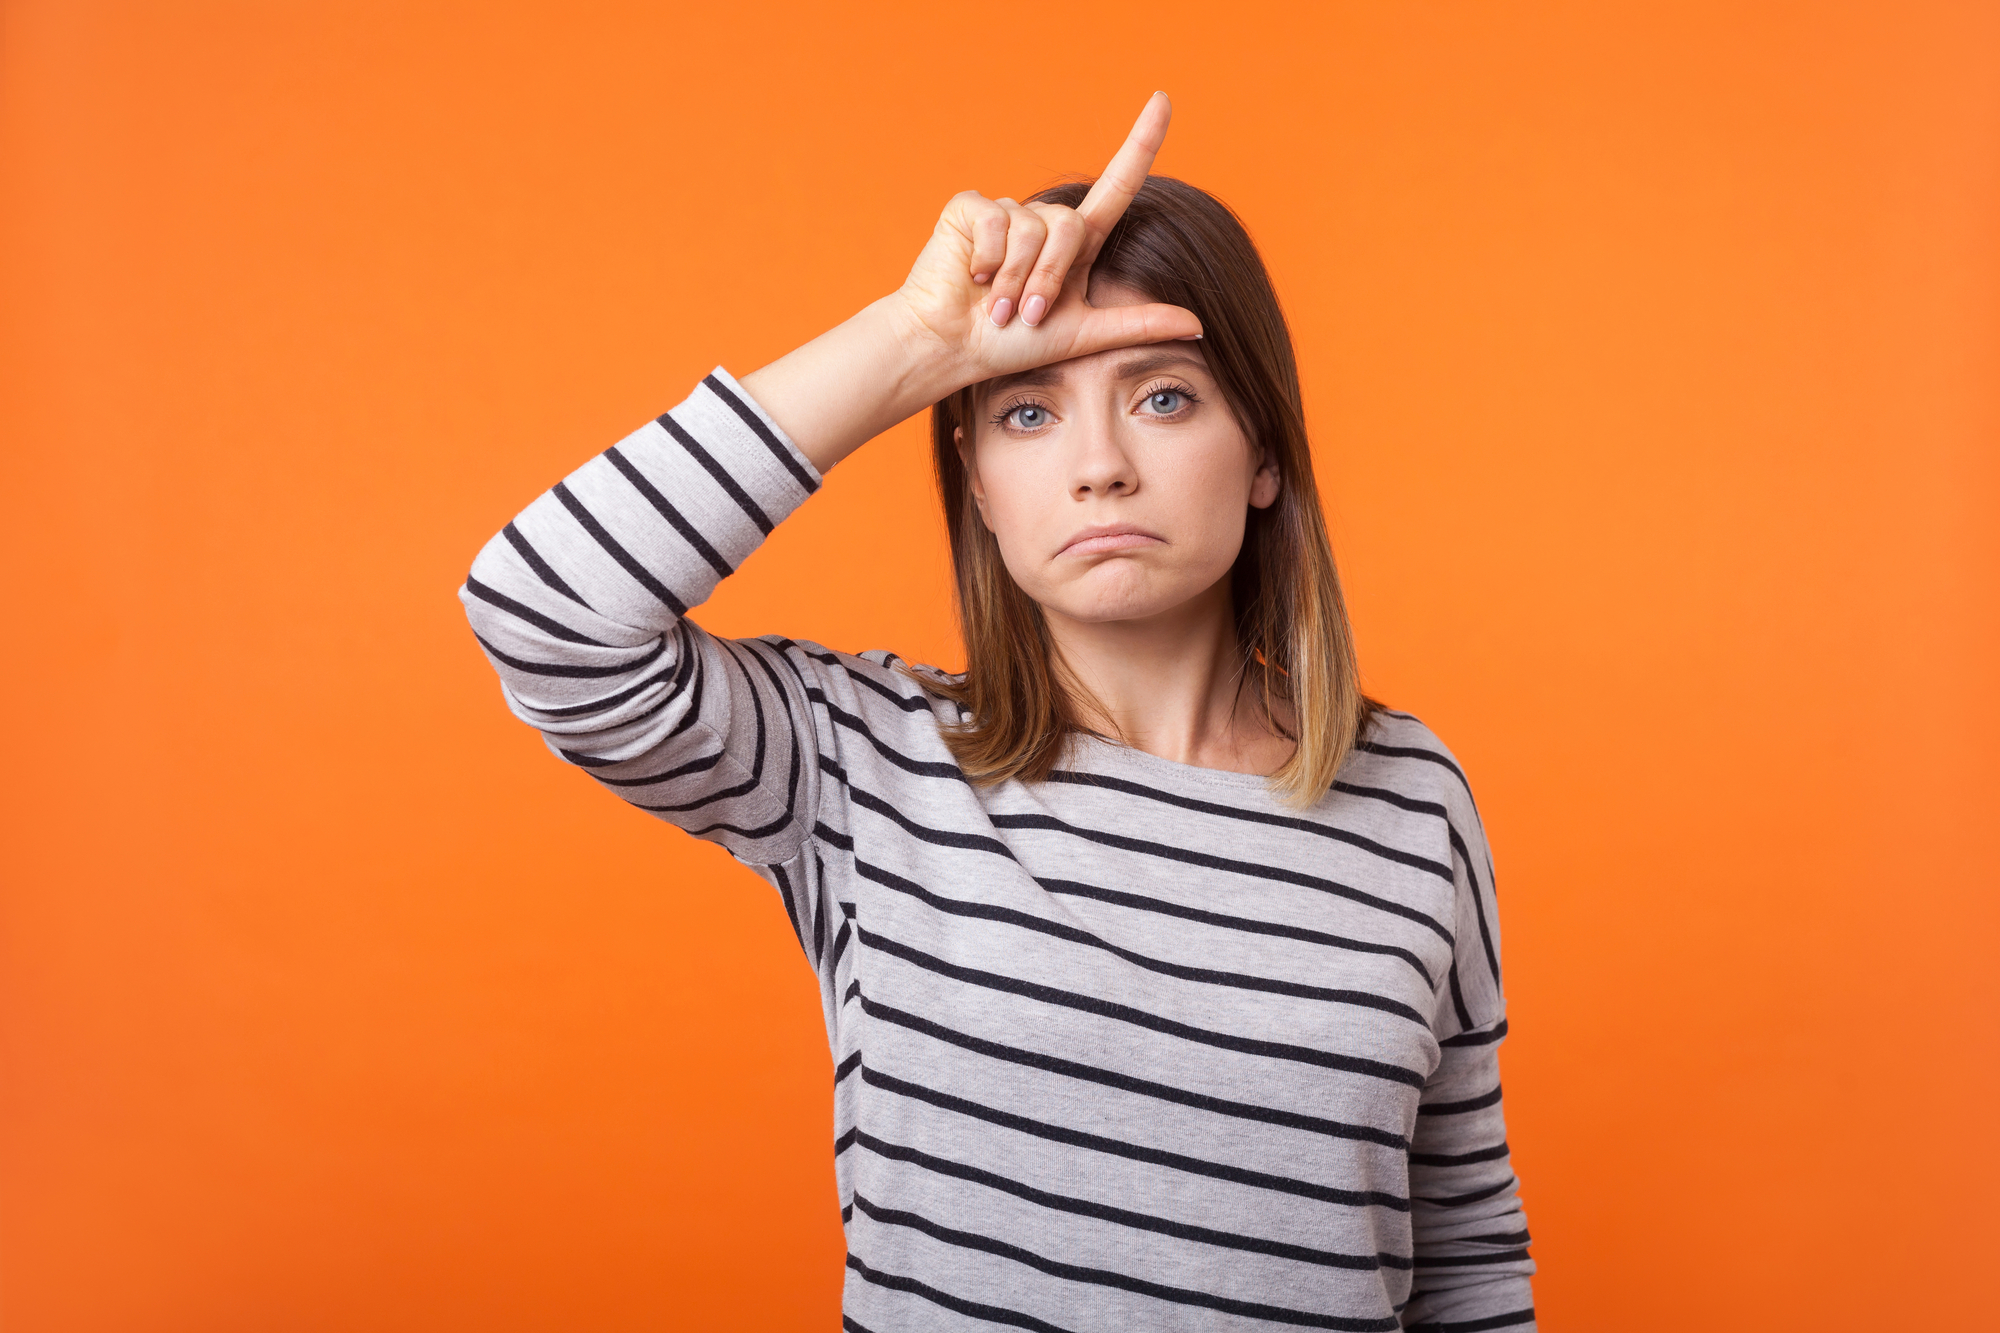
{"x":1003,"y":285}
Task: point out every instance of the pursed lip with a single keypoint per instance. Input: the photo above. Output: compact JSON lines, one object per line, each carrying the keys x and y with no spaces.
{"x":1109,"y":537}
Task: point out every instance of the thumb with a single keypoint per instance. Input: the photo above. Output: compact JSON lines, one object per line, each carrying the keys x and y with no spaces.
{"x":1105,"y":328}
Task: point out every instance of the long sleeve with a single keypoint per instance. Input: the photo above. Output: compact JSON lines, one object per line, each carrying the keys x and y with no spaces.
{"x":581,"y":602}
{"x":1469,"y":1234}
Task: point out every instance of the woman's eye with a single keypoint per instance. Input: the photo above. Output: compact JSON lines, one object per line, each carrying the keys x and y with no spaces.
{"x":1029,"y":417}
{"x":1166,"y":402}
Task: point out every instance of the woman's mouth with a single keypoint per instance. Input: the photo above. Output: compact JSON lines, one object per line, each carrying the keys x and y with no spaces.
{"x":1109,"y":537}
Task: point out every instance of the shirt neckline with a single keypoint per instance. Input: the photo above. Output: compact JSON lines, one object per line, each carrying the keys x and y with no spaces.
{"x":1094,"y":751}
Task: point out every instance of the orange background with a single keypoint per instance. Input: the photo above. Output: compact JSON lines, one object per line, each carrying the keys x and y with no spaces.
{"x":1653,"y":356}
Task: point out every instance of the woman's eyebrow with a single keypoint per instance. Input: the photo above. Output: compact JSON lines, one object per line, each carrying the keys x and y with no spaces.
{"x":1038,"y":378}
{"x":1154,"y":362}
{"x":1129,"y":369}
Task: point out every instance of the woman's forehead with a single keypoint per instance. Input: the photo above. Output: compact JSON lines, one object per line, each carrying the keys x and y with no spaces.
{"x":1106,"y":292}
{"x":1117,"y":366}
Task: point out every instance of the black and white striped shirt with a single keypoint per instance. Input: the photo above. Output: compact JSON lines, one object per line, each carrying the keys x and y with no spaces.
{"x":1139,"y":1047}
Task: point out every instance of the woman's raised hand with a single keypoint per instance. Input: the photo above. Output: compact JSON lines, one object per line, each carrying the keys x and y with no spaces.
{"x":1001,"y":286}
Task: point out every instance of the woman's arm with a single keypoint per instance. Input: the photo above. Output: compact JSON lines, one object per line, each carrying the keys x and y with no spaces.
{"x":1470,"y":1236}
{"x":581,"y":602}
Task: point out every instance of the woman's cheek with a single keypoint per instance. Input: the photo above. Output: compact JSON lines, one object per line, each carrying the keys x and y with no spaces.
{"x":1018,"y":537}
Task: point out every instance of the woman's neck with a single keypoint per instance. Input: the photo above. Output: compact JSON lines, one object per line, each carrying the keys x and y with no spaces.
{"x":1173,"y":685}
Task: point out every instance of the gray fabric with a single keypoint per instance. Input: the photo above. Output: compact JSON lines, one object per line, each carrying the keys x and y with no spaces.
{"x":1136,"y":1048}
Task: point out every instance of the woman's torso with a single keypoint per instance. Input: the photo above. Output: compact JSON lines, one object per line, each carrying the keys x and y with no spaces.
{"x":1141,"y":1028}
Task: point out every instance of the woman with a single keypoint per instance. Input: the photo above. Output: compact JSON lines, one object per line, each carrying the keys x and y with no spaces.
{"x":1159,"y":967}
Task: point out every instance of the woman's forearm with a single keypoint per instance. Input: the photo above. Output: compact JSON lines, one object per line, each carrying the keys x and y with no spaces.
{"x":856,"y":380}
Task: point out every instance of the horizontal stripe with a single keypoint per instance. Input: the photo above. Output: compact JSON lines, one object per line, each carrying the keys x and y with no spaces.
{"x":1414,"y":752}
{"x":1076,"y":935}
{"x":1479,"y":1103}
{"x":571,"y":670}
{"x":1493,"y":1154}
{"x":1125,"y":1282}
{"x":1395,"y":798}
{"x":1209,"y":861}
{"x":1083,"y":1073}
{"x":771,"y":829}
{"x":991,"y":1313}
{"x":976,"y":842}
{"x":1475,"y":1196}
{"x":743,"y":788}
{"x":610,"y":701}
{"x":1329,"y":831}
{"x":1470,"y":1260}
{"x":699,"y":765}
{"x":1249,"y":925}
{"x":1121,"y":1013}
{"x":1076,"y":1138}
{"x":1125,"y":1217}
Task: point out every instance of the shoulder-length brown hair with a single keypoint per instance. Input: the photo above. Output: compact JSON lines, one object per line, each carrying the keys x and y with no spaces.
{"x":1180,"y":245}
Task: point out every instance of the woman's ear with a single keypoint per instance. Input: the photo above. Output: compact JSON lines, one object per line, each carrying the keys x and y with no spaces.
{"x":1266,"y":482}
{"x":968,"y":458}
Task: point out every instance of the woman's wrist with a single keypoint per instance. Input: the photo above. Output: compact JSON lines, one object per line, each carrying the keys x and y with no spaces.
{"x":857,"y":380}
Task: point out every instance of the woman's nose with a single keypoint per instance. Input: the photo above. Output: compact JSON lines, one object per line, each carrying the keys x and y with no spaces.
{"x":1101,"y":466}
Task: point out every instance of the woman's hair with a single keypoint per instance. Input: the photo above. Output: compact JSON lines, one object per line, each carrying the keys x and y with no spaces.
{"x":1179,"y":245}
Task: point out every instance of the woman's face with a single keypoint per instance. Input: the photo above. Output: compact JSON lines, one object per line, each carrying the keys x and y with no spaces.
{"x":1117,"y":485}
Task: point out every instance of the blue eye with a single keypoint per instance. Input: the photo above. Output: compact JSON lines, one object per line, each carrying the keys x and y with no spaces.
{"x":1029,"y":417}
{"x":1166,"y":402}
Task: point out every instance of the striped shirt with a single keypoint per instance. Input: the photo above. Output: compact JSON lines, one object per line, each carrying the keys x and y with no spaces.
{"x":1138,"y":1047}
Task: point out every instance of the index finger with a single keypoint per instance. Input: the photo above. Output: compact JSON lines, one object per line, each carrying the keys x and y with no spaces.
{"x":1121,"y":180}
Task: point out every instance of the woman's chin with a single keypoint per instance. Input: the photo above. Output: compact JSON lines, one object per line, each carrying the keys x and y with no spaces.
{"x":1103,"y":606}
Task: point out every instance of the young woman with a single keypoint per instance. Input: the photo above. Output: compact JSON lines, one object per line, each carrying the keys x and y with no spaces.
{"x":1160,"y":968}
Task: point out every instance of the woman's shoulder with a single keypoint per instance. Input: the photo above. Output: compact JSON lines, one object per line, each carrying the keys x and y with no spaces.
{"x":1398,"y":753}
{"x":871,"y":682}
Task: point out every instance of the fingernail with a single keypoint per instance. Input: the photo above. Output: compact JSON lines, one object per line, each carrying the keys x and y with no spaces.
{"x":1033,"y":309}
{"x":1001,"y":309}
{"x":982,"y":277}
{"x":1188,"y":338}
